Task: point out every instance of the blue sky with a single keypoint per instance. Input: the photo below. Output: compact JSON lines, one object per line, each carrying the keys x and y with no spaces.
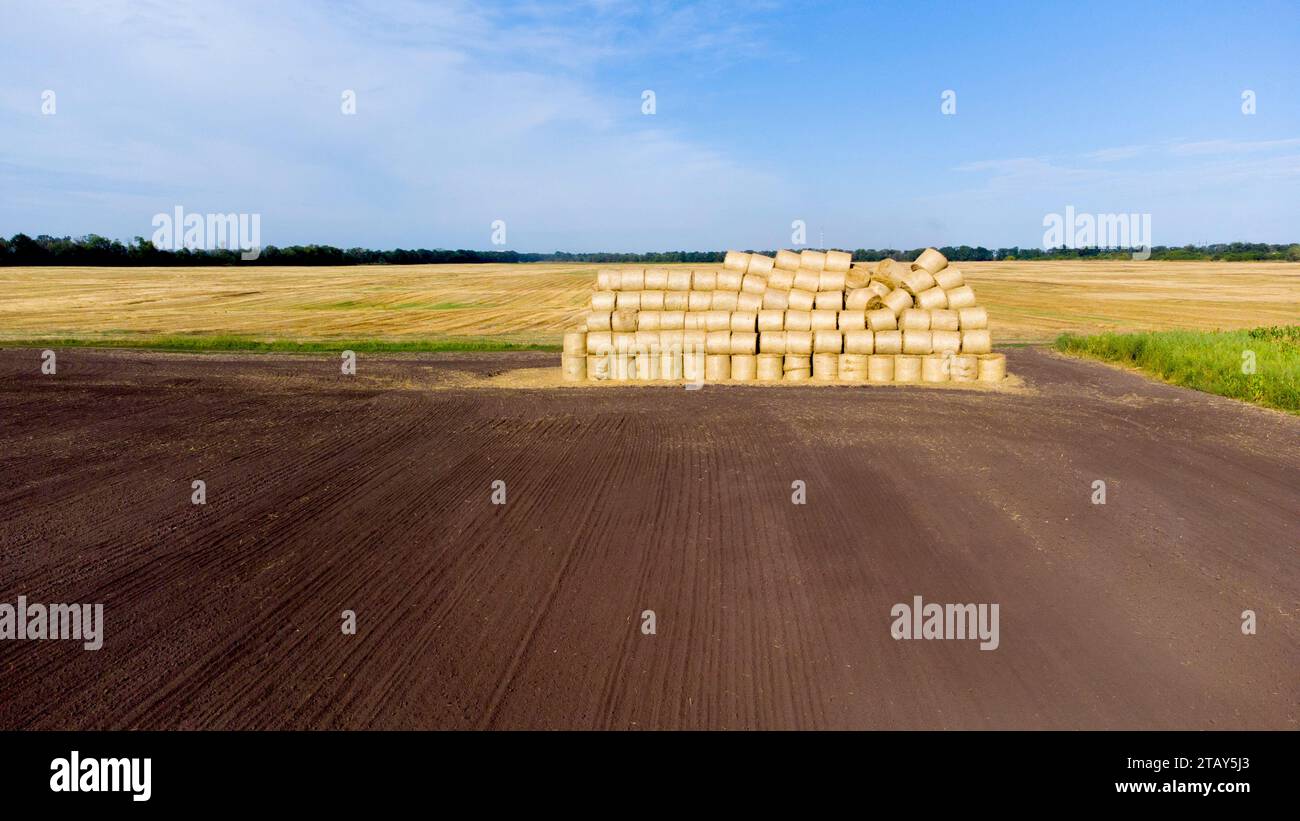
{"x":766,"y":113}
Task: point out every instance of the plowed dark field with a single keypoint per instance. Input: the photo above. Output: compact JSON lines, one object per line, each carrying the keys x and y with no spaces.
{"x":372,"y":493}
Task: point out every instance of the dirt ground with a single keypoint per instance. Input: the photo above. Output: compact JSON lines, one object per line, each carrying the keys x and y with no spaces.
{"x":373,"y":493}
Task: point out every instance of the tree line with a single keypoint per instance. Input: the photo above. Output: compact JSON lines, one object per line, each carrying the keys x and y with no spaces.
{"x":93,"y":249}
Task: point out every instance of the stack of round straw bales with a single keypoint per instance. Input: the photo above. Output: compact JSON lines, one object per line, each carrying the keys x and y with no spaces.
{"x":810,"y":316}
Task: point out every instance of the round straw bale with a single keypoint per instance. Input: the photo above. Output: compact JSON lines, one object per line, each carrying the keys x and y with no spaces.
{"x":599,"y":321}
{"x":670,"y":363}
{"x":859,"y":342}
{"x":744,"y":321}
{"x":992,"y":367}
{"x":774,"y":300}
{"x":934,"y":368}
{"x":812,"y":260}
{"x":914,"y":319}
{"x":753,"y":284}
{"x":862,"y":299}
{"x":853,"y":367}
{"x":677,"y":300}
{"x":624,"y":340}
{"x":945,"y":341}
{"x":771,"y":342}
{"x":896,"y":300}
{"x":882,"y":319}
{"x":829,"y":300}
{"x":825,"y":367}
{"x":622,"y":366}
{"x":798,"y":343}
{"x":839,"y":261}
{"x":604,"y":300}
{"x":609,"y":279}
{"x":696,"y":321}
{"x":932,"y":299}
{"x":699,"y":300}
{"x":672,"y":321}
{"x":780,"y":280}
{"x":931,"y":261}
{"x":880,"y":368}
{"x":744,"y":367}
{"x":831,"y":281}
{"x":771,"y":320}
{"x":629,"y":300}
{"x":768,"y":367}
{"x":622,"y":320}
{"x":917,"y":342}
{"x":704,"y":280}
{"x":965,"y":367}
{"x":800,"y":375}
{"x":652,"y":300}
{"x":978,"y":341}
{"x":679,"y":280}
{"x":575,"y":343}
{"x":671,"y":339}
{"x":942,"y":319}
{"x":759,"y":264}
{"x":693,"y":364}
{"x":694,"y":339}
{"x":649,"y":320}
{"x":787,"y":261}
{"x":717,"y":320}
{"x":891,"y":272}
{"x":736,"y":261}
{"x":656,"y":279}
{"x":718,"y":342}
{"x":823,"y":320}
{"x":717,"y":367}
{"x":907,"y":368}
{"x":642,"y":364}
{"x":949,"y":278}
{"x":914,"y":282}
{"x":973,"y":318}
{"x":633,"y":280}
{"x":890,"y":342}
{"x":798,"y":321}
{"x":801,"y":300}
{"x":598,"y":367}
{"x":730,"y":280}
{"x":961,"y":297}
{"x":724,"y":301}
{"x":649,"y":340}
{"x":749,"y":302}
{"x":856,"y":277}
{"x":807,"y":280}
{"x":828,"y":342}
{"x":797,"y":363}
{"x":882,"y":288}
{"x":852,"y":320}
{"x":743,"y":342}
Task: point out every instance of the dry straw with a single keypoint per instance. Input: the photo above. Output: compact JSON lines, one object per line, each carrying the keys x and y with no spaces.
{"x":736,"y":261}
{"x":882,"y":319}
{"x":743,"y":342}
{"x":753,"y":284}
{"x":880,"y":368}
{"x":718,"y":342}
{"x":656,"y":279}
{"x":717,"y":321}
{"x":729,"y":280}
{"x":914,"y":319}
{"x":696,"y":321}
{"x":652,"y":300}
{"x":831,"y":281}
{"x":965,"y":368}
{"x":772,"y":342}
{"x":853,"y":367}
{"x":672,"y":320}
{"x":808,"y":280}
{"x":976,"y":342}
{"x":629,"y":300}
{"x":973,"y":318}
{"x":949,"y":278}
{"x":609,"y":279}
{"x":633,"y":280}
{"x":598,"y":367}
{"x":679,"y":280}
{"x":890,"y":342}
{"x":945,"y":341}
{"x":700,"y":300}
{"x":828,"y":342}
{"x":749,"y":302}
{"x":934,"y":368}
{"x":787,"y":260}
{"x":622,"y":321}
{"x":942,"y":319}
{"x":897,"y":299}
{"x":759,"y":264}
{"x":932,"y":299}
{"x":992,"y":367}
{"x":859,"y":342}
{"x":771,"y":320}
{"x":829,"y":300}
{"x":961,"y":297}
{"x":603,"y":300}
{"x":677,"y":300}
{"x":704,"y":281}
{"x":774,"y":300}
{"x":862,"y":299}
{"x":798,"y":320}
{"x":744,"y":367}
{"x":798,"y":343}
{"x":812,"y":260}
{"x":598,"y":321}
{"x":931,"y":261}
{"x":852,"y":320}
{"x":724,"y":301}
{"x":823,"y":320}
{"x":838,"y":261}
{"x":825,"y":367}
{"x":670,"y":363}
{"x":744,"y":320}
{"x":717,"y":367}
{"x":780,"y":280}
{"x":769,"y":367}
{"x":649,"y":320}
{"x":856,"y":277}
{"x":917,"y":342}
{"x":907,"y":369}
{"x":916,"y":281}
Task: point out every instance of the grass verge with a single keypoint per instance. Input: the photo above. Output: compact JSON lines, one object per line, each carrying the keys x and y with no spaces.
{"x":1260,"y":366}
{"x":219,"y":343}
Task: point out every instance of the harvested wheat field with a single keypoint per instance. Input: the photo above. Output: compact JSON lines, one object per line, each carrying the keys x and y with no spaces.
{"x":1026,"y":301}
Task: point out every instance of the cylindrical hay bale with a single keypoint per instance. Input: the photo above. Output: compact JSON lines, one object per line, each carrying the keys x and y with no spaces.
{"x":825,"y":367}
{"x":599,"y":342}
{"x":774,"y":300}
{"x":693,"y":321}
{"x":724,"y":301}
{"x":880,"y":368}
{"x":679,"y":280}
{"x":830,"y":281}
{"x":862,"y":299}
{"x":650,"y":320}
{"x":624,"y":321}
{"x":671,"y":339}
{"x":801,"y":300}
{"x":780,"y":280}
{"x":599,"y":321}
{"x":736,"y":261}
{"x":622,"y":366}
{"x":942,"y":319}
{"x":717,"y":367}
{"x":672,"y":321}
{"x":629,"y":300}
{"x":645,"y":364}
{"x":768,"y":367}
{"x":917,"y":342}
{"x":604,"y":300}
{"x":882,"y":319}
{"x":718,"y":342}
{"x":632,"y":280}
{"x":717,"y":320}
{"x":859,"y":342}
{"x":704,"y":280}
{"x":656,"y":279}
{"x":759,"y":264}
{"x":907,"y":368}
{"x":852,"y":320}
{"x":973,"y":318}
{"x":930,"y":260}
{"x":771,"y":320}
{"x":853,"y":367}
{"x":945,"y":341}
{"x":753,"y":284}
{"x":979,"y":341}
{"x":856,"y":277}
{"x":889,"y":342}
{"x":798,"y":342}
{"x":652,"y":300}
{"x":896,"y":300}
{"x":829,"y":300}
{"x":609,"y":279}
{"x":934,"y":368}
{"x":808,"y":280}
{"x":699,"y":301}
{"x":744,"y":367}
{"x":964,"y":367}
{"x":799,"y":375}
{"x":914,"y":282}
{"x":914,"y":319}
{"x":670,"y":362}
{"x":812,"y":260}
{"x":949,"y":278}
{"x":822,"y":320}
{"x":838,"y":261}
{"x":932,"y":299}
{"x":961,"y":297}
{"x":771,"y":342}
{"x":575,"y":343}
{"x":677,"y":300}
{"x":693,"y":364}
{"x":992,"y":367}
{"x":749,"y":302}
{"x":730,"y":280}
{"x":787,"y":261}
{"x":743,"y":342}
{"x":891,"y":272}
{"x":796,"y":363}
{"x":744,"y":321}
{"x":598,"y":366}
{"x":828,"y":342}
{"x":879,"y":287}
{"x":694,"y":340}
{"x":798,"y":321}
{"x":648,"y":340}
{"x":623,"y":342}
